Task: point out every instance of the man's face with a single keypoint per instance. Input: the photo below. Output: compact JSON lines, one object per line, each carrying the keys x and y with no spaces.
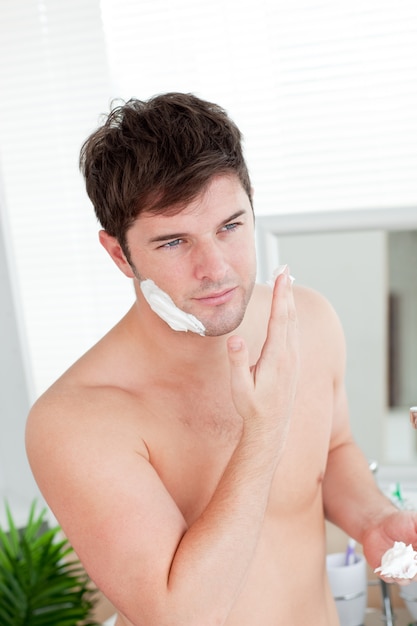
{"x":204,"y":256}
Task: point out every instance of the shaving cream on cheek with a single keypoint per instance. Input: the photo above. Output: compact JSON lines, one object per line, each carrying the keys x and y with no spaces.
{"x":162,"y":304}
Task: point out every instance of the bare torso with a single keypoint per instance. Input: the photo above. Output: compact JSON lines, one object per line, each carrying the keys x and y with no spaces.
{"x":187,"y":432}
{"x":286,"y":582}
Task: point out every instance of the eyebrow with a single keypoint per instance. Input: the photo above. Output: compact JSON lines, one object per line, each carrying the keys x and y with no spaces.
{"x":174,"y":236}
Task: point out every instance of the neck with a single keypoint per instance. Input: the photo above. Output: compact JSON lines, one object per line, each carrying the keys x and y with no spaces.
{"x":176,"y":349}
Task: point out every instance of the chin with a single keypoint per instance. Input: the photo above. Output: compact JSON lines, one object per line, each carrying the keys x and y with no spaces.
{"x":222,"y":327}
{"x":226,"y":319}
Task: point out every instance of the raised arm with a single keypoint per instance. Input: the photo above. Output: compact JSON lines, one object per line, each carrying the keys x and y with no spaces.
{"x":126,"y":526}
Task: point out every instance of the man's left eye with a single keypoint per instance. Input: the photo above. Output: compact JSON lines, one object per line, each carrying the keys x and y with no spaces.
{"x":231,"y":226}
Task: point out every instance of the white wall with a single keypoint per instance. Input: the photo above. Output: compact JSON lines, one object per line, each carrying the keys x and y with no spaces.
{"x":16,"y":482}
{"x":350,"y":257}
{"x":403,"y":284}
{"x":53,"y":79}
{"x":54,"y":82}
{"x":349,"y":269}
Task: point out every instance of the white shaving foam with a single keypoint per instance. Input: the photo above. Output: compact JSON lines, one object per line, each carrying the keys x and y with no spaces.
{"x":162,"y":304}
{"x":277,"y":272}
{"x":400,"y":561}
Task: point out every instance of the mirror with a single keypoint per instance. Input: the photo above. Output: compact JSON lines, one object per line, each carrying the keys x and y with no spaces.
{"x":365,"y":263}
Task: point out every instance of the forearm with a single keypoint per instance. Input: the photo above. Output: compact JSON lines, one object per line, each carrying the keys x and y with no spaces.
{"x":213,"y":557}
{"x":215,"y":553}
{"x":352,"y":499}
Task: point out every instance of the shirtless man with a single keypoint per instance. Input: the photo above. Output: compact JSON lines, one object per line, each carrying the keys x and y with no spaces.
{"x":192,"y":471}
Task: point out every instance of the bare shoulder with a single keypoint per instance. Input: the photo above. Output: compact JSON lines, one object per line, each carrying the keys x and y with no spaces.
{"x":313,"y":309}
{"x":308,"y":298}
{"x":89,"y":413}
{"x":70,"y":407}
{"x":317,"y":318}
{"x":71,"y":427}
{"x":321,"y":331}
{"x":86,"y":443}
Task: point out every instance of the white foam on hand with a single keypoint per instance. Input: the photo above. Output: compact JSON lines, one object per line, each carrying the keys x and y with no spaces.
{"x":277,"y":272}
{"x":162,"y":304}
{"x":400,"y":561}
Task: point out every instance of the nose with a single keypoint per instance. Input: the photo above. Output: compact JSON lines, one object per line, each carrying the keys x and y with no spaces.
{"x":209,"y":261}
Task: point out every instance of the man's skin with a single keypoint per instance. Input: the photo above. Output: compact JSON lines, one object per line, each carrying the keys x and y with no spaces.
{"x":193,"y":474}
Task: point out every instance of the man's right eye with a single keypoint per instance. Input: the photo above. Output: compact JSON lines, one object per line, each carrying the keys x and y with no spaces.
{"x":172,"y":244}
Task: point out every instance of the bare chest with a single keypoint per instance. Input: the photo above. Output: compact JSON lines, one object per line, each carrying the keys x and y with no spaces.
{"x":193,"y":441}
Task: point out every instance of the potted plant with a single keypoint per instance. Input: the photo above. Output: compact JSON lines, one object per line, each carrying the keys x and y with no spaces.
{"x":42,"y":583}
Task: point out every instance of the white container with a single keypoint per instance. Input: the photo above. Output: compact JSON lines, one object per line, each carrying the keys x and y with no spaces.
{"x":409,"y":594}
{"x":349,"y":587}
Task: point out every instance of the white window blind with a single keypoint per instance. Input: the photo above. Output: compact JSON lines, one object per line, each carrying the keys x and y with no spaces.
{"x":54,"y":83}
{"x":324,"y":92}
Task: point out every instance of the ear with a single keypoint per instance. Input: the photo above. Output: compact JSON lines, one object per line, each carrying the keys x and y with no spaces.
{"x":114,"y":249}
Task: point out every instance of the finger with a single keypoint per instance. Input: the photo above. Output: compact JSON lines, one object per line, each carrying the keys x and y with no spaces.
{"x":402,"y":582}
{"x":281,"y":334}
{"x":241,"y":379}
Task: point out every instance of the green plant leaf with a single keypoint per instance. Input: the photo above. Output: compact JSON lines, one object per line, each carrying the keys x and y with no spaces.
{"x":42,"y":583}
{"x":13,"y":532}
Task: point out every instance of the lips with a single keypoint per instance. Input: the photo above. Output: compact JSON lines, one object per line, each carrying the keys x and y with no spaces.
{"x":220,"y":297}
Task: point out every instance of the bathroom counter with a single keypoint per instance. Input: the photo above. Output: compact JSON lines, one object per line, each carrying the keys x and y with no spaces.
{"x":374,"y":617}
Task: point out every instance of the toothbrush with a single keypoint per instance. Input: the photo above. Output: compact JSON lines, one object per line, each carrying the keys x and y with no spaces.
{"x":398,"y":495}
{"x":350,"y":556}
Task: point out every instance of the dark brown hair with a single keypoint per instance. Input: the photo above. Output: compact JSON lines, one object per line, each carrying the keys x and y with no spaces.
{"x":156,"y":156}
